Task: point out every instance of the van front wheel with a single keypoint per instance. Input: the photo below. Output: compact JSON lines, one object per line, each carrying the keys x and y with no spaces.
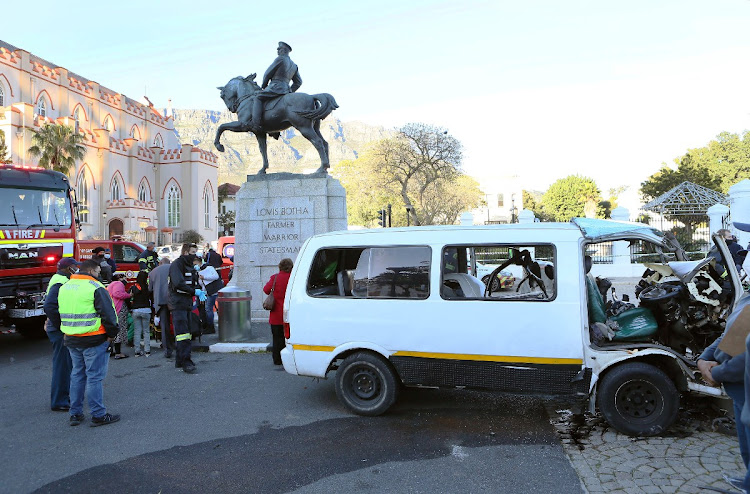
{"x":366,"y":384}
{"x":638,"y":399}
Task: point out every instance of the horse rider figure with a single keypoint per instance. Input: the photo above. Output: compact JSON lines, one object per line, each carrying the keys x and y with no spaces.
{"x":275,"y":83}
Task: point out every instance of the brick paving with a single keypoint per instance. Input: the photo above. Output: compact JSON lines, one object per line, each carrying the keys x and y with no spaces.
{"x":688,"y":457}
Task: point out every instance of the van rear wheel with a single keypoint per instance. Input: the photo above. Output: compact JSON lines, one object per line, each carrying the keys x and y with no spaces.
{"x":366,"y":384}
{"x":638,"y":399}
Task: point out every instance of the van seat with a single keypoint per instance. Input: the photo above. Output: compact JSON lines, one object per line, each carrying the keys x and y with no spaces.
{"x":345,"y":280}
{"x":472,"y":287}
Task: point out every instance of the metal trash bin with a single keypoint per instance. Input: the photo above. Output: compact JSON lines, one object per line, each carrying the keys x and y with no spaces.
{"x":234,"y":314}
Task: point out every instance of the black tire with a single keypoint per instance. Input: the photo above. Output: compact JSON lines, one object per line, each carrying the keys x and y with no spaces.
{"x":495,"y":283}
{"x":638,"y":399}
{"x":366,"y":384}
{"x":31,"y":328}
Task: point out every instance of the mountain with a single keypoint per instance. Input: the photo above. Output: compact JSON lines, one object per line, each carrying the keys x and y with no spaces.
{"x":291,"y":153}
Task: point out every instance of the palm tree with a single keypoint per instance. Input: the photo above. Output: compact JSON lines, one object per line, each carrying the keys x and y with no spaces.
{"x":58,"y":146}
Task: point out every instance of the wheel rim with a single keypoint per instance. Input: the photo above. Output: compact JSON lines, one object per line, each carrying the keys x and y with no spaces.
{"x":638,"y":400}
{"x":365,"y":384}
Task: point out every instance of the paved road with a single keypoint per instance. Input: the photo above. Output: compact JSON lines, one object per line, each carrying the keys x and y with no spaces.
{"x":242,"y":425}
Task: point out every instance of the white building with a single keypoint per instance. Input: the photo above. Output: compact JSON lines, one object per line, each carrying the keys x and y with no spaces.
{"x":503,"y":196}
{"x":136,"y":177}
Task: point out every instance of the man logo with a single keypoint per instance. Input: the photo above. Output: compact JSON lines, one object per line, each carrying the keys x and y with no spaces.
{"x":23,"y":246}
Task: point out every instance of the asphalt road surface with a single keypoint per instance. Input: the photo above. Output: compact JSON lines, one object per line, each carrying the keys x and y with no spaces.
{"x":242,"y":425}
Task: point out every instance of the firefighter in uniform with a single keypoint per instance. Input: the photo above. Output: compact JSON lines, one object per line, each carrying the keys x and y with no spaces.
{"x":61,"y":363}
{"x":148,"y":259}
{"x":183,"y":286}
{"x":89,"y":321}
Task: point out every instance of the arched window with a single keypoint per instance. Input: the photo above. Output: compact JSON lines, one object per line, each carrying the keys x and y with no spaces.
{"x":41,"y":107}
{"x":2,"y":96}
{"x":143,"y":194}
{"x":158,"y":141}
{"x":78,"y":115}
{"x":116,"y":196}
{"x":206,"y":207}
{"x":173,"y":206}
{"x":83,"y":198}
{"x":109,"y":124}
{"x":134,"y":133}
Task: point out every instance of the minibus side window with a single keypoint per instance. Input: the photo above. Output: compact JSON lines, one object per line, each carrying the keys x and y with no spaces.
{"x":393,"y":272}
{"x":519,"y":272}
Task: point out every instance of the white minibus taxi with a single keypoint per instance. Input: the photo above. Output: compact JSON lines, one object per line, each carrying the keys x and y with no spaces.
{"x":391,"y":307}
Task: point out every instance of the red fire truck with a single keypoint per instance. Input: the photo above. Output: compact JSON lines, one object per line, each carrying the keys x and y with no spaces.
{"x":37,"y":229}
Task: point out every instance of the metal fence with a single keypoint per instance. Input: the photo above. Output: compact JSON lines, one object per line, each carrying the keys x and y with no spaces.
{"x":601,"y":253}
{"x":692,"y":231}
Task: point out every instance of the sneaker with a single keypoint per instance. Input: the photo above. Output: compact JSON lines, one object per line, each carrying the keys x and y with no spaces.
{"x":147,"y":354}
{"x":736,"y":482}
{"x":76,"y":419}
{"x":105,"y":419}
{"x":138,"y":354}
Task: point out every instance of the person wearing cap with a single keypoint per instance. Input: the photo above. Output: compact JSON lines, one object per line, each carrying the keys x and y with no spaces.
{"x":61,"y":363}
{"x":276,"y":83}
{"x":89,"y":321}
{"x":103,"y":257}
{"x":148,"y":258}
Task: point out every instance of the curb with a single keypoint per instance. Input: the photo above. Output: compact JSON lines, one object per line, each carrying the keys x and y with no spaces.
{"x":237,"y":347}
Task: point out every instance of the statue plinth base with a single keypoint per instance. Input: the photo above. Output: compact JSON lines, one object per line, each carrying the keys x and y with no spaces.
{"x":276,"y":213}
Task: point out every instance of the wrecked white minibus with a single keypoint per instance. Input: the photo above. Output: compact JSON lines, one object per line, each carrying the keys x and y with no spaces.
{"x":392,"y":307}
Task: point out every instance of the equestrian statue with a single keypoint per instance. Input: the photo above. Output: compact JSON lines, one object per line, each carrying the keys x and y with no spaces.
{"x":274,"y":106}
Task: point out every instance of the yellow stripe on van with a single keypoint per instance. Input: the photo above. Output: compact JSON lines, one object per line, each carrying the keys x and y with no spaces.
{"x":38,"y":241}
{"x":314,"y":348}
{"x":492,"y":358}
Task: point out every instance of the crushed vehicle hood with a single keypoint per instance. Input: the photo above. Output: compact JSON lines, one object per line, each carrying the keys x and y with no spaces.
{"x":598,"y":230}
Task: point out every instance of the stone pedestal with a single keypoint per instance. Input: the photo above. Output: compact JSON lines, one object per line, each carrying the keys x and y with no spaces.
{"x":276,"y":213}
{"x":739,"y":202}
{"x":620,"y":250}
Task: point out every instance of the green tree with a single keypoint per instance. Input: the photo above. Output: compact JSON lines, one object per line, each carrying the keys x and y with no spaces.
{"x":532,"y":200}
{"x":668,"y":178}
{"x":226,"y":220}
{"x":572,"y":197}
{"x":412,"y":169}
{"x":58,"y":147}
{"x":414,"y":160}
{"x":191,"y":237}
{"x":4,"y":155}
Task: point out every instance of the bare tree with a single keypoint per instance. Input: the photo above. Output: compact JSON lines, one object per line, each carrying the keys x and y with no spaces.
{"x":414,"y":161}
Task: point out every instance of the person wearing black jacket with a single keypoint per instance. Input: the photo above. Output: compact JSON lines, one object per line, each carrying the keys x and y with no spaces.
{"x":148,"y":258}
{"x":183,"y":286}
{"x":140,"y":307}
{"x":61,"y":363}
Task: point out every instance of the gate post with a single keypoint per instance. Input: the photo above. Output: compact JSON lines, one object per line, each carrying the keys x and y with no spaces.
{"x":739,"y":201}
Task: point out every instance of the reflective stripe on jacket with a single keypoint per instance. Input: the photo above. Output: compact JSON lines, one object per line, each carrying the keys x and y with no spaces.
{"x":78,"y":316}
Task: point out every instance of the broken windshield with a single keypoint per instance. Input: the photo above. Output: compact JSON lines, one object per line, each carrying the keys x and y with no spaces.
{"x":601,"y":230}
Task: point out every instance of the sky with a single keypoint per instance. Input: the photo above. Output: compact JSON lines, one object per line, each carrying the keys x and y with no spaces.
{"x":540,"y":89}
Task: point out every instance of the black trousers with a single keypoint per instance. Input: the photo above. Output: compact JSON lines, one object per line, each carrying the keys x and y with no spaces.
{"x":277,"y":331}
{"x":167,"y":338}
{"x":181,"y":324}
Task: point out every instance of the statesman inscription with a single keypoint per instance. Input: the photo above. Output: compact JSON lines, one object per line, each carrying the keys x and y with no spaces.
{"x":278,"y":228}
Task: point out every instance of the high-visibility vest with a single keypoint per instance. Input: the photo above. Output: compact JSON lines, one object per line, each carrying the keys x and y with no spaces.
{"x":57,"y":279}
{"x":78,"y":315}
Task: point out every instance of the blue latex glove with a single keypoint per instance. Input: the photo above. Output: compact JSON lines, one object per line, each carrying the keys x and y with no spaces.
{"x":201,"y":295}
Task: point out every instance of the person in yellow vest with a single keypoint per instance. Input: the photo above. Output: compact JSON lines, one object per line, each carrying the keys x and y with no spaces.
{"x":61,"y":363}
{"x":89,"y":321}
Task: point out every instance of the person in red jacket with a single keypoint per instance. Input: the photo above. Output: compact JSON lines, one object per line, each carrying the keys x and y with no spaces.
{"x":278,"y":283}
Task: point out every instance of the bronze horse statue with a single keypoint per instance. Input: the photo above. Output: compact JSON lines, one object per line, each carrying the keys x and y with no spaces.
{"x":299,"y":110}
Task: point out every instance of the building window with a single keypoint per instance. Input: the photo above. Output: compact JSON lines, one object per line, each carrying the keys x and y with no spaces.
{"x":83,"y":198}
{"x":2,"y":96}
{"x":78,"y":117}
{"x":41,"y":107}
{"x":500,"y":200}
{"x":173,"y":206}
{"x":143,"y":194}
{"x":134,"y":133}
{"x":158,"y":141}
{"x":206,"y":207}
{"x":109,"y":124}
{"x":116,"y":190}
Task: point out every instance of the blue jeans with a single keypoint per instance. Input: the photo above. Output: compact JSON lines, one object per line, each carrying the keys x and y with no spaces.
{"x":736,"y":392}
{"x":89,"y":370}
{"x":61,"y":367}
{"x":210,"y":303}
{"x":142,"y":326}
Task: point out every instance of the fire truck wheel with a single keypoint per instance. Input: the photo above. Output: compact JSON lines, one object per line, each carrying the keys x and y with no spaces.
{"x":32,"y":327}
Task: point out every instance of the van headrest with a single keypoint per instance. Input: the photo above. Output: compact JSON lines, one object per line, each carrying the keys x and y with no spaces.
{"x":549,"y":271}
{"x":588,"y":262}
